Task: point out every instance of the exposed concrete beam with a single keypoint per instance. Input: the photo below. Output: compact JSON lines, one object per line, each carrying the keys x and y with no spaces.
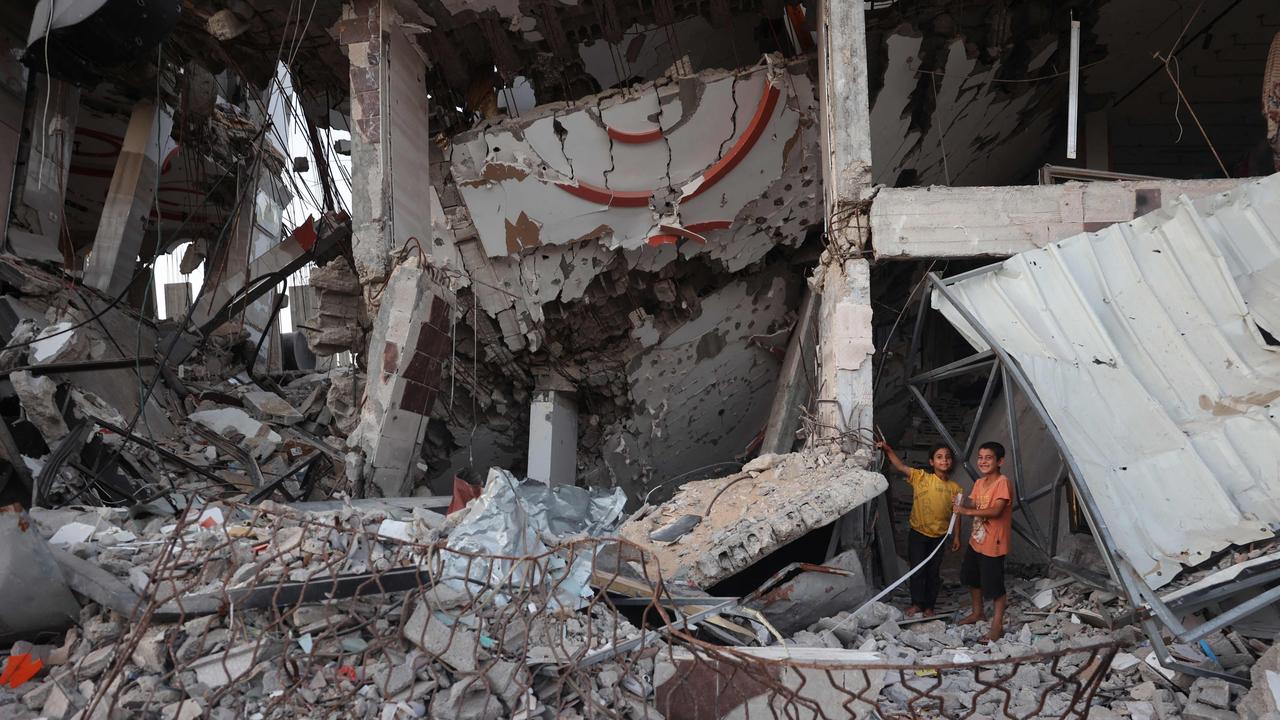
{"x":40,"y":180}
{"x":111,"y":263}
{"x":233,"y":291}
{"x":1002,"y":221}
{"x":553,"y":437}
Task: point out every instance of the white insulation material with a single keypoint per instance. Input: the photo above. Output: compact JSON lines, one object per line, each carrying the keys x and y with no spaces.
{"x":1143,"y":343}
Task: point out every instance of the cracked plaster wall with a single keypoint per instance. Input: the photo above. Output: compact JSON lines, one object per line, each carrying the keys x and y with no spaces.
{"x":529,"y":169}
{"x":702,"y":393}
{"x":657,"y":337}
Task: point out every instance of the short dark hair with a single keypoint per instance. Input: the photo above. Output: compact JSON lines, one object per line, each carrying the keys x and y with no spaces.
{"x":994,"y":447}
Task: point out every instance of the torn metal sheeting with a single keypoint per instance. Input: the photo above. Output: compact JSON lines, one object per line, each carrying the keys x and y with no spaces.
{"x":1140,"y":344}
{"x":510,"y":519}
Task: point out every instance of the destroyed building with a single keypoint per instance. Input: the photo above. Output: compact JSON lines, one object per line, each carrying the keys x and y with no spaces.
{"x":528,"y":358}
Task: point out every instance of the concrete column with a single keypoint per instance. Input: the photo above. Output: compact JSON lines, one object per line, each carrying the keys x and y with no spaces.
{"x":389,"y":133}
{"x":844,"y":320}
{"x":844,"y":326}
{"x":553,"y":437}
{"x":114,"y":256}
{"x":846,"y":108}
{"x":410,"y":339}
{"x":409,"y":346}
{"x":36,"y":216}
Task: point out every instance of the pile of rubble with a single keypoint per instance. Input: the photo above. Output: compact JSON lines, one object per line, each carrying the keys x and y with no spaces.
{"x":193,"y":549}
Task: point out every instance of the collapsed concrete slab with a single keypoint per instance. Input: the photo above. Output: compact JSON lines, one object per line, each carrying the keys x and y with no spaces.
{"x":746,"y":516}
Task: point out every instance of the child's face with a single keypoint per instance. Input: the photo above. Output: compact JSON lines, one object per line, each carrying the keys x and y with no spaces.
{"x":941,"y":460}
{"x":987,"y":461}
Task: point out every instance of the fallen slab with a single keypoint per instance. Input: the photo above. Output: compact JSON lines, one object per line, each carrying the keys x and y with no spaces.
{"x":744,"y":517}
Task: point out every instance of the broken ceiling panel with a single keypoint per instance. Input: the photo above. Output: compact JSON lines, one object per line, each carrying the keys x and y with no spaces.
{"x":677,"y":162}
{"x":1141,"y":342}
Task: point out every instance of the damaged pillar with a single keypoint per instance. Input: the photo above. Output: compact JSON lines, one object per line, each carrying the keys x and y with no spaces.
{"x":389,"y":116}
{"x":553,"y":436}
{"x":845,"y":318}
{"x":44,"y":164}
{"x":410,"y":341}
{"x":114,"y":256}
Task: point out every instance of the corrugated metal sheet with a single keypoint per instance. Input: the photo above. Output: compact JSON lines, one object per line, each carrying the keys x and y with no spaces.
{"x":1141,"y":342}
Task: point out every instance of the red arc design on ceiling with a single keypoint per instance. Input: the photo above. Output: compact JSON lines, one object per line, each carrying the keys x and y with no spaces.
{"x":640,"y":198}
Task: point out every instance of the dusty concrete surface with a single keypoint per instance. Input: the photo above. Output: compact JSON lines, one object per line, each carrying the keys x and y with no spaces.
{"x":759,"y":511}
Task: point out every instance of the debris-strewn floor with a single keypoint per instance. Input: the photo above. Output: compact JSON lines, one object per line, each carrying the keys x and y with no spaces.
{"x":224,"y":612}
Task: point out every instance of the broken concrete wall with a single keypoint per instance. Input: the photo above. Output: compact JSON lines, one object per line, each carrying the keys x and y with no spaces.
{"x":613,"y":244}
{"x":409,"y":346}
{"x":701,"y":393}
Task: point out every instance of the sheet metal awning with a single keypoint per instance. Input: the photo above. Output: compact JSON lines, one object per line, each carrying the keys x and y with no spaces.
{"x":1142,"y":341}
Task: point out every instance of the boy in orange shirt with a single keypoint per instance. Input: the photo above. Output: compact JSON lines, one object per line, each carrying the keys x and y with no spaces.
{"x":933,"y":494}
{"x":992,"y":513}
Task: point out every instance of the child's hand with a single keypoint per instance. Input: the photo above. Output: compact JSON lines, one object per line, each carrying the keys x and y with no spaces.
{"x":955,"y":543}
{"x":882,"y":445}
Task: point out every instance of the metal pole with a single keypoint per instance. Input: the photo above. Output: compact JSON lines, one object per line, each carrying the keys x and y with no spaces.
{"x":959,"y":367}
{"x":982,"y":410}
{"x":942,"y":430}
{"x":918,"y":332}
{"x":1244,"y":609}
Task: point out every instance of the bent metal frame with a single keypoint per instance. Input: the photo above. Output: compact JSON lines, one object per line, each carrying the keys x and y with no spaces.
{"x":1149,"y":608}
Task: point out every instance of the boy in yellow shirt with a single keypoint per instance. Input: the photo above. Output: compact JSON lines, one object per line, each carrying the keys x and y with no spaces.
{"x":933,"y":495}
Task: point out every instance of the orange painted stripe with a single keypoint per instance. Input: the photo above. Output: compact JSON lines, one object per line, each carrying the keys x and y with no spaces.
{"x":746,"y":141}
{"x":709,"y":225}
{"x":611,"y":198}
{"x":634,"y":138}
{"x":656,"y":240}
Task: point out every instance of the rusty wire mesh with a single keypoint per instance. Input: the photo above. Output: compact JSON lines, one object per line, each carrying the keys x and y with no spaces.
{"x":278,"y":614}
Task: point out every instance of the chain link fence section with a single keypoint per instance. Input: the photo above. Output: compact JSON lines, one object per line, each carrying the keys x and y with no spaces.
{"x":287,"y":615}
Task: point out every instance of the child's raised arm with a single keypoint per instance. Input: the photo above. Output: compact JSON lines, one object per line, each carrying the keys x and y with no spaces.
{"x":894,"y":460}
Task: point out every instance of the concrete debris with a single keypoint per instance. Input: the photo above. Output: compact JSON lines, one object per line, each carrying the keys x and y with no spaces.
{"x":541,"y":376}
{"x":749,"y":515}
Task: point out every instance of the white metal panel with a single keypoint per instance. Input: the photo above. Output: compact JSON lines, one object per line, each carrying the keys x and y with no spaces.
{"x":1141,"y":342}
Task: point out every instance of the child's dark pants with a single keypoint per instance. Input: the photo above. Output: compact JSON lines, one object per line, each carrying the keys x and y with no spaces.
{"x":927,"y":581}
